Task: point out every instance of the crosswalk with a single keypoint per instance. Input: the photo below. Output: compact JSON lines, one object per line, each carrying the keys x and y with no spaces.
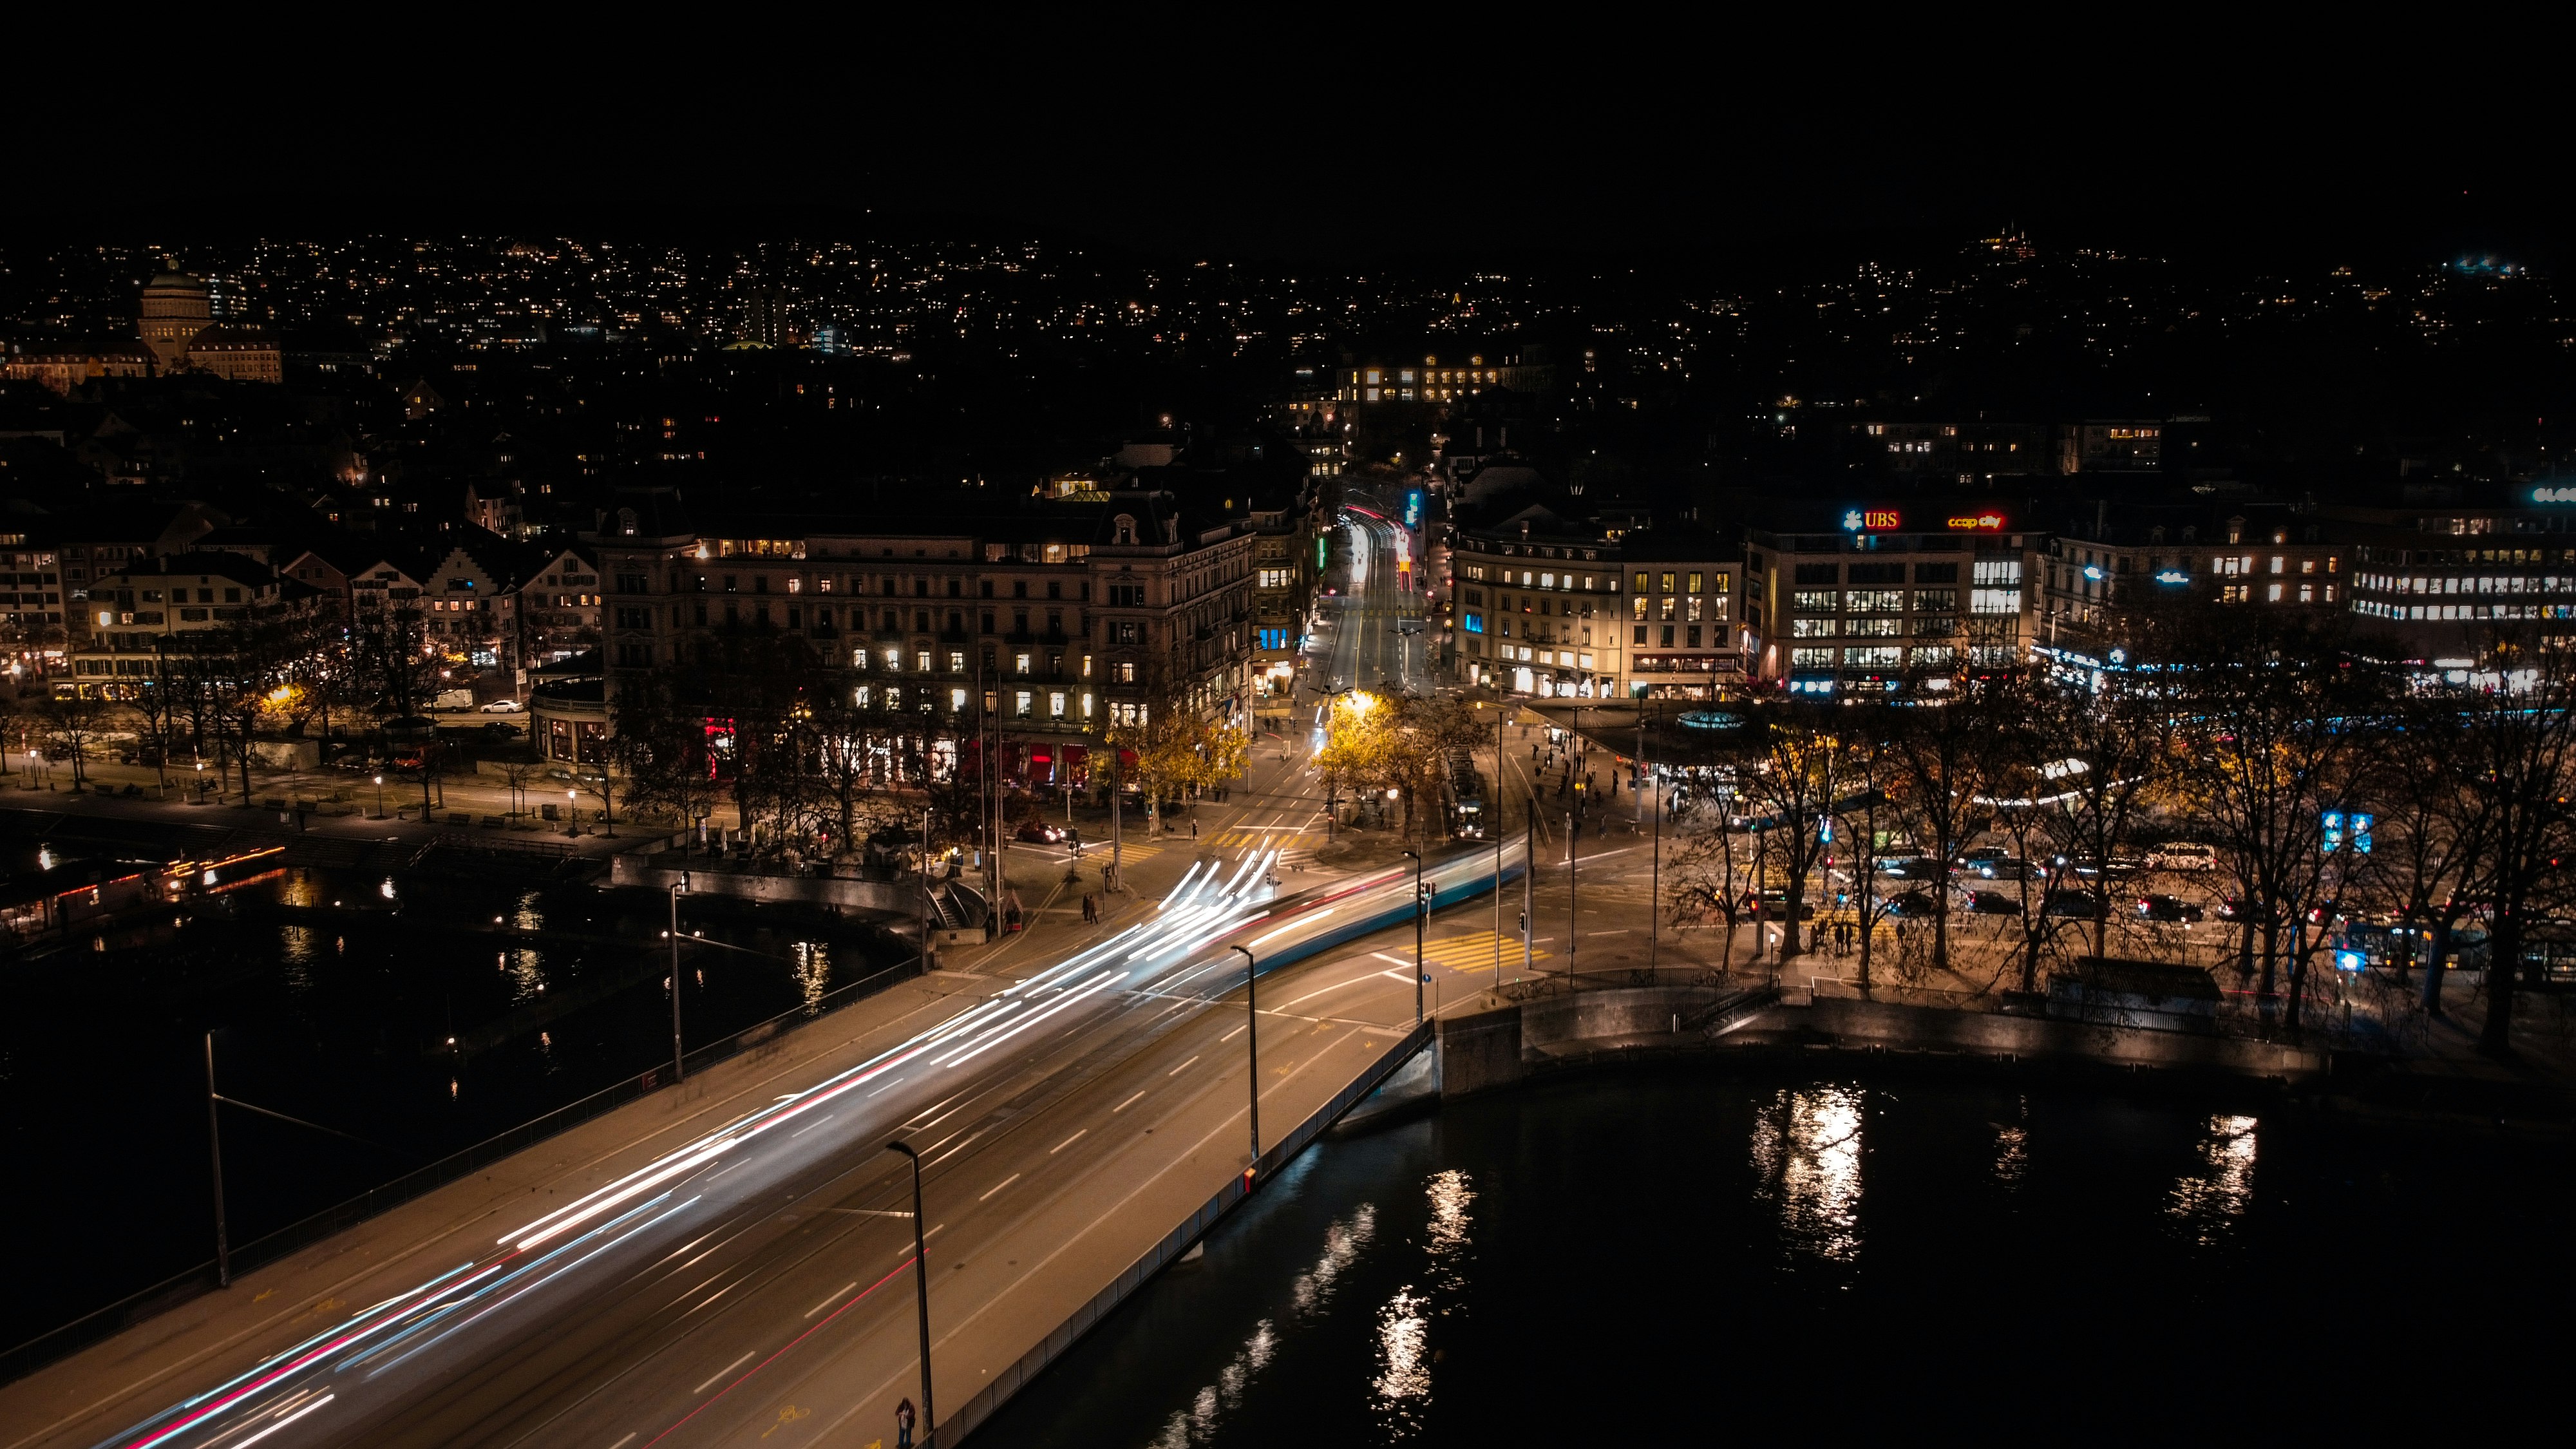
{"x":1476,"y":952}
{"x":1284,"y":841}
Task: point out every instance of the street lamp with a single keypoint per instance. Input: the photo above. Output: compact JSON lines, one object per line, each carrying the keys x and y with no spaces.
{"x":921,"y":1292}
{"x":679,"y":1068}
{"x":572,"y":813}
{"x":215,"y":1144}
{"x":380,"y":797}
{"x":1252,"y":1049}
{"x":1418,"y":913}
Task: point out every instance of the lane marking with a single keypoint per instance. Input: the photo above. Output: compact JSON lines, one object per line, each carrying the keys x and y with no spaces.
{"x":1123,"y":1106}
{"x":810,"y":1126}
{"x":1068,"y":1142}
{"x":906,"y":1253}
{"x":1183,"y":1067}
{"x":1229,"y":1036}
{"x":810,"y":1312}
{"x":720,"y":1373}
{"x":629,"y":1439}
{"x":887,"y":1087}
{"x":997,"y":1187}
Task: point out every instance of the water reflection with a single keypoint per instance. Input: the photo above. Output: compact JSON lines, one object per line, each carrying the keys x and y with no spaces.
{"x":813,"y":970}
{"x":1344,"y":1241}
{"x":1403,"y":1384}
{"x":1806,"y":1147}
{"x":1313,"y":1290}
{"x":2208,"y":1200}
{"x":2012,"y":1153}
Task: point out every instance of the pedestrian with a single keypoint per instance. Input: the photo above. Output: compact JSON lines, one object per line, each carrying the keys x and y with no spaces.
{"x":903,"y":1425}
{"x":1090,"y":912}
{"x":1194,"y":827}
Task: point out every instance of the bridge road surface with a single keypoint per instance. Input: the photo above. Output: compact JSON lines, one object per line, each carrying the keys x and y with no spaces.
{"x":766,"y":1290}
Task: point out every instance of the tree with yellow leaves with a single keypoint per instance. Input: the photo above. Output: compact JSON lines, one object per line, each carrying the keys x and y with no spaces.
{"x":1176,"y":748}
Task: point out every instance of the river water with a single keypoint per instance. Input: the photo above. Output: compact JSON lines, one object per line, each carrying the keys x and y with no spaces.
{"x":1690,"y":1255}
{"x":332,"y":999}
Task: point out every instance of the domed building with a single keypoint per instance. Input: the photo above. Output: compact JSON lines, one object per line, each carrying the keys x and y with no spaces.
{"x":176,"y":307}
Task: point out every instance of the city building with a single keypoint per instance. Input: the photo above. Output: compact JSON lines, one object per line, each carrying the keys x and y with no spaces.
{"x":62,"y":367}
{"x":555,"y":614}
{"x":176,"y":307}
{"x":2108,"y":557}
{"x":237,"y":354}
{"x":1554,"y":605}
{"x":1067,"y":615}
{"x":2436,"y":575}
{"x":1869,"y":595}
{"x":134,"y":613}
{"x":1436,"y":381}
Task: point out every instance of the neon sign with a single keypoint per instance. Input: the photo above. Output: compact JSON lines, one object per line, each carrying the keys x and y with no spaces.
{"x":2553,"y":495}
{"x":2173,"y":576}
{"x":1858,"y":520}
{"x":1986,"y":522}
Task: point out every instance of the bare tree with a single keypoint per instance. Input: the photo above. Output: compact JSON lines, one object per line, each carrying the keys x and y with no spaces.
{"x":2515,"y":760}
{"x":1791,"y":781}
{"x":1937,"y":773}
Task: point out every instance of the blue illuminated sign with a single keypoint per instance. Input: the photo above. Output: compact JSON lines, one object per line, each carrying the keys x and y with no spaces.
{"x":2340,"y":829}
{"x":2173,"y":576}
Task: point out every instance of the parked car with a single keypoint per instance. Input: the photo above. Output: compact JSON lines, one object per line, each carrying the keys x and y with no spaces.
{"x":2079,"y":904}
{"x":2005,"y":867}
{"x":505,"y":706}
{"x":2183,"y":855}
{"x":1992,"y":903}
{"x":2160,"y":907}
{"x":453,"y":699}
{"x":1913,"y":905}
{"x":500,"y":731}
{"x":1911,"y":867}
{"x":2120,"y":865}
{"x":1038,"y":832}
{"x":2233,"y":909}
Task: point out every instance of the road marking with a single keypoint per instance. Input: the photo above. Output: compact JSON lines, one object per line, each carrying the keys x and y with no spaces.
{"x":887,"y":1087}
{"x":810,"y":1126}
{"x":1229,"y":1036}
{"x":1183,"y":1067}
{"x":629,"y":1439}
{"x":1623,"y":930}
{"x":997,"y":1187}
{"x":925,"y":1238}
{"x":1336,"y":986}
{"x":1123,"y":1106}
{"x":817,"y":1308}
{"x":1068,"y":1142}
{"x":720,"y":1373}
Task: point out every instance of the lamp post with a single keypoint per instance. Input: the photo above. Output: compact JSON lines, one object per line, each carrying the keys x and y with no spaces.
{"x":921,"y":1292}
{"x":572,"y":813}
{"x":679,"y":1069}
{"x":380,"y":797}
{"x":215,"y":1145}
{"x":1418,"y":913}
{"x":1252,"y":1047}
{"x":1497,"y":827}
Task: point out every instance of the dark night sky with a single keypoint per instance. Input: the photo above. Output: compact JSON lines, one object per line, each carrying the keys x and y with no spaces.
{"x":1335,"y":143}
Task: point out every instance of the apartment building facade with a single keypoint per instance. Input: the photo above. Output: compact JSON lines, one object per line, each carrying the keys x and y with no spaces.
{"x":1064,"y":618}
